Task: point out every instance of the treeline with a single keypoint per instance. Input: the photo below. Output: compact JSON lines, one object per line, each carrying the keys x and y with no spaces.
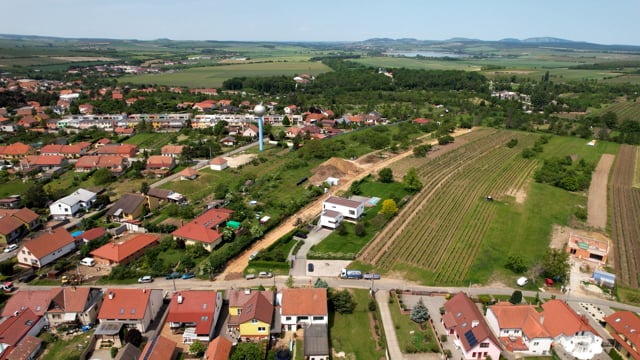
{"x":565,"y":173}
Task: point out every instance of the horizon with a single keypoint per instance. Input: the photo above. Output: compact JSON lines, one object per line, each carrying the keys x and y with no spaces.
{"x":329,"y":21}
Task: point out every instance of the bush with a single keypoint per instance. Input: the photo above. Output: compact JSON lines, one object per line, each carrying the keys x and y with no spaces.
{"x":372,"y":305}
{"x":114,"y":352}
{"x":443,"y":338}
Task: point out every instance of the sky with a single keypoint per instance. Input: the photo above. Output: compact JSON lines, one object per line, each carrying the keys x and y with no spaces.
{"x":610,"y":22}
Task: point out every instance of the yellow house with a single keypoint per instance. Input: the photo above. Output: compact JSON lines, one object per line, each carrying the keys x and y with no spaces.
{"x":251,"y":313}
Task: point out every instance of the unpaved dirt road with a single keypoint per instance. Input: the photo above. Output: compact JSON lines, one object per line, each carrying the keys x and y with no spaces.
{"x":597,"y":200}
{"x":236,"y":266}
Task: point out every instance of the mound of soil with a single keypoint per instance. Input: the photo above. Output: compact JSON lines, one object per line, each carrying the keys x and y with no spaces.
{"x":334,"y":167}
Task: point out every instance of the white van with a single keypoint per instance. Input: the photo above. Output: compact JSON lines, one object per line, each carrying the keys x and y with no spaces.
{"x":522,"y":281}
{"x":88,"y":261}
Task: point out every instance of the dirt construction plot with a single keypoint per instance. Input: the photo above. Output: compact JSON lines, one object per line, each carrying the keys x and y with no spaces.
{"x":597,"y":203}
{"x":239,"y":160}
{"x":334,"y":167}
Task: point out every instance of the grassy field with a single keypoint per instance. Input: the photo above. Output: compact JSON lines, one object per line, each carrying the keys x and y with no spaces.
{"x":149,"y":140}
{"x":213,"y":76}
{"x":64,"y":349}
{"x":351,"y":333}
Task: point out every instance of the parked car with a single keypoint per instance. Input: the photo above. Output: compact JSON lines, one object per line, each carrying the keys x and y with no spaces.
{"x":300,"y":234}
{"x":145,"y":279}
{"x":173,"y":275}
{"x":87,"y":261}
{"x":188,"y":275}
{"x":265,"y":274}
{"x":522,"y":281}
{"x":27,"y":278}
{"x":253,"y":255}
{"x":10,"y":248}
{"x":310,"y":267}
{"x":250,"y":276}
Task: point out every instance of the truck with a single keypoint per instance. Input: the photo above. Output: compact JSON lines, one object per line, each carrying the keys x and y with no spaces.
{"x":371,"y":276}
{"x":351,"y":274}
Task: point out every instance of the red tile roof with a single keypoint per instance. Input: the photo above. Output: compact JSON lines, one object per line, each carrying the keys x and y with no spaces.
{"x":172,"y":149}
{"x":118,"y":149}
{"x":69,"y":299}
{"x":202,"y":228}
{"x":304,"y":301}
{"x":218,"y":161}
{"x":465,"y":317}
{"x":125,"y":304}
{"x":48,"y":242}
{"x":237,"y":298}
{"x":627,"y":324}
{"x":159,"y":161}
{"x":13,"y":329}
{"x":17,"y":149}
{"x":43,"y":160}
{"x":36,"y":300}
{"x":421,"y":121}
{"x":257,"y":307}
{"x":218,"y":349}
{"x":159,"y":348}
{"x":523,"y":317}
{"x":566,"y":321}
{"x":194,"y":306}
{"x":26,"y":215}
{"x":93,"y":234}
{"x":8,"y":225}
{"x":188,"y":172}
{"x":25,"y":348}
{"x":92,"y":161}
{"x":119,"y":252}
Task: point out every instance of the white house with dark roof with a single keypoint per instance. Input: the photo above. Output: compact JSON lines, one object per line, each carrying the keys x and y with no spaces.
{"x":350,"y":209}
{"x":331,"y":219}
{"x":67,"y":206}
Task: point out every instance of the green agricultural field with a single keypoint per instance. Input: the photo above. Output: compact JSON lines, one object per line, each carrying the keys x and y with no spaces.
{"x":213,"y":76}
{"x":625,"y":110}
{"x":150,"y":140}
{"x":351,"y":333}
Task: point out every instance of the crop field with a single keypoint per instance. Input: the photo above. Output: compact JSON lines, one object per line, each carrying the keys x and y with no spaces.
{"x":626,"y":110}
{"x":624,"y":207}
{"x":213,"y":76}
{"x":149,"y":140}
{"x":442,"y":228}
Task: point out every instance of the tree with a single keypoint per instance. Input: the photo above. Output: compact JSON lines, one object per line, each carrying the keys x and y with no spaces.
{"x":35,"y":196}
{"x":385,"y":175}
{"x":247,"y":351}
{"x":144,"y":187}
{"x":289,"y":283}
{"x":102,"y":176}
{"x":411,"y":181}
{"x":342,"y":302}
{"x":421,"y":150}
{"x":197,"y":348}
{"x":286,"y":121}
{"x":320,"y":284}
{"x":133,"y":337}
{"x":516,"y":297}
{"x":359,"y":229}
{"x":389,"y":207}
{"x":419,"y":313}
{"x":515,"y":263}
{"x":555,"y":264}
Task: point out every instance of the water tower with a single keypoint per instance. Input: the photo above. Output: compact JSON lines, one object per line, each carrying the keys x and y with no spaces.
{"x":259,"y":111}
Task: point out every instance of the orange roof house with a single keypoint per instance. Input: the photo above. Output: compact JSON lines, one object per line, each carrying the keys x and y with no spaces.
{"x":159,"y":348}
{"x":204,"y":229}
{"x":129,"y":307}
{"x":73,"y":305}
{"x":126,"y":150}
{"x":160,"y":165}
{"x":421,"y":121}
{"x":218,"y":163}
{"x":218,"y":349}
{"x":16,"y":327}
{"x":172,"y":150}
{"x":18,"y":150}
{"x":125,"y":251}
{"x":36,"y":300}
{"x":188,"y":174}
{"x":624,"y":327}
{"x":303,"y":307}
{"x":197,"y":311}
{"x":46,"y":248}
{"x":520,"y":328}
{"x":570,"y":330}
{"x":116,"y":164}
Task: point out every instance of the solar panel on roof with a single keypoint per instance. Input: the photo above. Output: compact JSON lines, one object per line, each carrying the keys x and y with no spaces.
{"x":471,"y":338}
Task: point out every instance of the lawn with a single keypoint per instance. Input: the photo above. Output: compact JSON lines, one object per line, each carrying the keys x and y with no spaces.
{"x":58,"y":349}
{"x":13,"y":187}
{"x":214,"y":76}
{"x":150,"y":140}
{"x":351,"y":333}
{"x":420,"y":341}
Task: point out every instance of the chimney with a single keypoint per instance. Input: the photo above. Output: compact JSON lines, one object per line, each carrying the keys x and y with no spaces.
{"x":475,"y":323}
{"x":144,"y":291}
{"x":180,"y":299}
{"x":541,"y":319}
{"x":111,"y":295}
